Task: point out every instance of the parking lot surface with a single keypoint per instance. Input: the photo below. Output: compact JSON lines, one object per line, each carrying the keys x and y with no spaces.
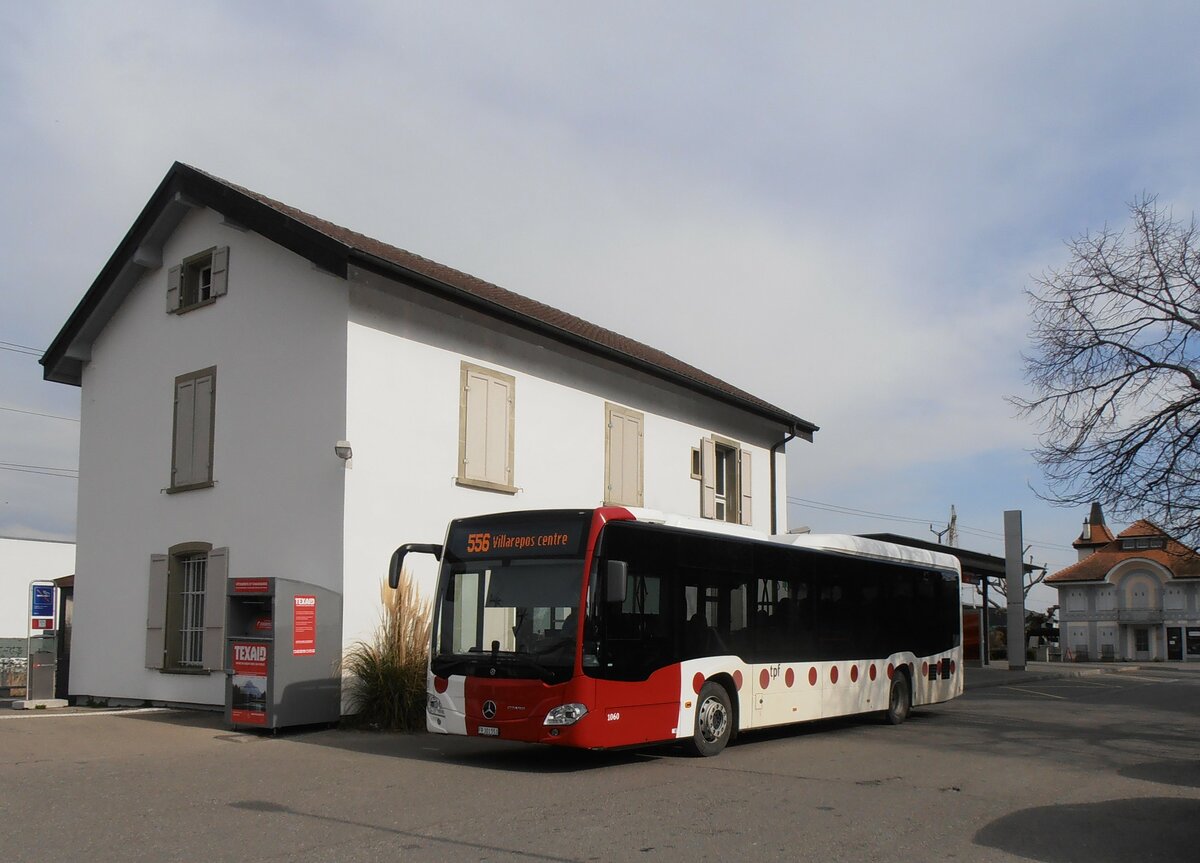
{"x":1100,"y":768}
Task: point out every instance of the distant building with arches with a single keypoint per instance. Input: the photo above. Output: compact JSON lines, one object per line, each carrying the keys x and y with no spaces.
{"x":1134,"y":596}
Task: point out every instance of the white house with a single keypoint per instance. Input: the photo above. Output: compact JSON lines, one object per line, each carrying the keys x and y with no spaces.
{"x":230,"y":344}
{"x":1133,"y":596}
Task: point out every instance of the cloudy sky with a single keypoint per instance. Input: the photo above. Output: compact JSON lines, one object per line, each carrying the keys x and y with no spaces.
{"x":836,"y":206}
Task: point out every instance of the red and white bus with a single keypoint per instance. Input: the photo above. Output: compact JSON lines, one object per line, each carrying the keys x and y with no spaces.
{"x":619,"y":627}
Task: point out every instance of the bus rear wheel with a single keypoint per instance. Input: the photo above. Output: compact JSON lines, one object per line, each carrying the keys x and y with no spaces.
{"x":714,"y":721}
{"x":899,"y":700}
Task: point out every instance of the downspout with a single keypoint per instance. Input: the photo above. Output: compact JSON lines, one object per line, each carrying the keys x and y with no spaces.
{"x":774,"y":505}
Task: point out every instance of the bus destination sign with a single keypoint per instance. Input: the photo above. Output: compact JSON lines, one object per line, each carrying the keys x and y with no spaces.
{"x":508,"y":538}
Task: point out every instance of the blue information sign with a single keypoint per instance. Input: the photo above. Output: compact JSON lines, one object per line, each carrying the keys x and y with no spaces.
{"x":43,"y":601}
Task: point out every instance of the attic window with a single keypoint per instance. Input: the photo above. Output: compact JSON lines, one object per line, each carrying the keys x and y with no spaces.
{"x":1142,"y":542}
{"x":198,"y":280}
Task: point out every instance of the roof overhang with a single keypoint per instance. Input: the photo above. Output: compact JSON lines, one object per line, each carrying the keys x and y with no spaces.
{"x":185,"y":188}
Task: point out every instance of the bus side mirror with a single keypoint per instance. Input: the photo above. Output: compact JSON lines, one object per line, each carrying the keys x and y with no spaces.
{"x":399,"y":554}
{"x":615,"y":577}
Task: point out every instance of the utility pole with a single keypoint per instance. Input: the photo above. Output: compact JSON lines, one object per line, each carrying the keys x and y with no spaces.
{"x":951,"y":531}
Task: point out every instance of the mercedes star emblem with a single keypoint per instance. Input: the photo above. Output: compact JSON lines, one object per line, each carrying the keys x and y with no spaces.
{"x":489,"y":710}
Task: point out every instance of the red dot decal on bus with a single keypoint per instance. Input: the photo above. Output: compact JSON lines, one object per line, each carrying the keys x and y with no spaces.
{"x":854,"y":674}
{"x":924,"y":669}
{"x":833,"y":675}
{"x":698,"y":682}
{"x":953,"y":666}
{"x":789,"y":678}
{"x":812,"y":677}
{"x":737,"y":681}
{"x":891,"y":671}
{"x":440,"y":684}
{"x":764,"y":678}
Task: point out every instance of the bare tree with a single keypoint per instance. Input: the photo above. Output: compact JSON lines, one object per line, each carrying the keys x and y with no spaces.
{"x":1116,"y":388}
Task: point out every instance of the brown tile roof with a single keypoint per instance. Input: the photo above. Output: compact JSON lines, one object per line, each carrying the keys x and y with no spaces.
{"x":335,"y":248}
{"x":1100,"y":536}
{"x":1177,"y":558}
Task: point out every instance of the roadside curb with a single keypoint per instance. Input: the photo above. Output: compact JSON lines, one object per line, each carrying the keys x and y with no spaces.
{"x":1004,"y":677}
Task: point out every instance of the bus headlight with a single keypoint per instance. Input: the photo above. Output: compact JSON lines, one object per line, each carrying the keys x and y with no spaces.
{"x":566,"y":714}
{"x":435,"y":706}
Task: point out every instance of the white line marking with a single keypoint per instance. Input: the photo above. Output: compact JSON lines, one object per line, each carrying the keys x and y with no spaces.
{"x":46,"y":714}
{"x":1035,"y":692}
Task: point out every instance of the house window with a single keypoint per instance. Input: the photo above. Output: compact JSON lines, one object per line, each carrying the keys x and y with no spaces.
{"x":186,"y":608}
{"x":198,"y":280}
{"x":191,"y":568}
{"x":1143,"y":542}
{"x":623,"y":452}
{"x":724,"y":481}
{"x":485,"y":429}
{"x":192,"y":442}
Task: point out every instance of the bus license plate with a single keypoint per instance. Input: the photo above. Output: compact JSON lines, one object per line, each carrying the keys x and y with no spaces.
{"x":488,"y":731}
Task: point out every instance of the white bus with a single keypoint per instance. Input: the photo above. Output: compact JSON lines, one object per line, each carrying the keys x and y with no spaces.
{"x":618,"y":627}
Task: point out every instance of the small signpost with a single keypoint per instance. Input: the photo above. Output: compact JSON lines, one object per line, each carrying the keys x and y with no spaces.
{"x":42,"y":640}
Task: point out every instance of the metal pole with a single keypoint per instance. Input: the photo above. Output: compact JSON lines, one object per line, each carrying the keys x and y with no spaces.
{"x":1014,"y":572}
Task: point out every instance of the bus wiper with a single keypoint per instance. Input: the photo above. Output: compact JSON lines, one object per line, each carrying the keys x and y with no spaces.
{"x":544,"y":673}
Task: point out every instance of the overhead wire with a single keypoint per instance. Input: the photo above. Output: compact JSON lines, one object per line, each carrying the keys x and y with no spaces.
{"x":840,"y":509}
{"x":39,"y":414}
{"x":65,"y":472}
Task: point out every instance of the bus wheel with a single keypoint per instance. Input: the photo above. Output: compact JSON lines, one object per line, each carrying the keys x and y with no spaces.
{"x":714,"y":721}
{"x":899,"y":700}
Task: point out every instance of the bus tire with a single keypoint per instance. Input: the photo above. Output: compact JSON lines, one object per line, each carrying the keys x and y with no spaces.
{"x":899,"y":700}
{"x":714,"y":721}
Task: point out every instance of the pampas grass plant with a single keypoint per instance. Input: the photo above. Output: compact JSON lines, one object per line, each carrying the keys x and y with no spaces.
{"x":387,"y":674}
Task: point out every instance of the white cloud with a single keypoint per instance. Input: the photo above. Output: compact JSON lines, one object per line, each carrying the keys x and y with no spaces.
{"x":833,"y":207}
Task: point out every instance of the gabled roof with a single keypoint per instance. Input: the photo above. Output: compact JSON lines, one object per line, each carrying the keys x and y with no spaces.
{"x":1095,"y":531}
{"x":1176,"y":558}
{"x":336,"y":249}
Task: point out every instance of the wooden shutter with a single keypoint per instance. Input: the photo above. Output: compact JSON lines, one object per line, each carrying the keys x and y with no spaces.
{"x":623,"y":456}
{"x":202,"y":431}
{"x":708,"y":478}
{"x":744,"y":513}
{"x":474,"y":464}
{"x":498,"y":425}
{"x":486,"y":424}
{"x":174,"y":280}
{"x":191,"y":457}
{"x":185,"y":421}
{"x":156,"y":612}
{"x":220,"y":271}
{"x":212,"y":650}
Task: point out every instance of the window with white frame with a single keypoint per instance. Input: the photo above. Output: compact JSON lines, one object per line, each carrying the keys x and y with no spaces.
{"x":1143,"y":542}
{"x":192,"y":439}
{"x":185,"y":614}
{"x":1106,"y":599}
{"x":1076,"y":600}
{"x":486,"y":423}
{"x":198,"y":280}
{"x":624,"y":431}
{"x":725,"y":481}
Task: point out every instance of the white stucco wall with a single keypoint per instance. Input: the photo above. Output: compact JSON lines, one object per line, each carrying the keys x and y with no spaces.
{"x":23,"y":561}
{"x":404,"y":351}
{"x":278,"y":341}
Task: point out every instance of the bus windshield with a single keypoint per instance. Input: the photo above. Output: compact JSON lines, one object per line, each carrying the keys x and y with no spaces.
{"x":508,"y":598}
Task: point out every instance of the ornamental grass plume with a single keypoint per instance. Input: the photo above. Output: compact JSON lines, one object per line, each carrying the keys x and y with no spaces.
{"x":387,"y":673}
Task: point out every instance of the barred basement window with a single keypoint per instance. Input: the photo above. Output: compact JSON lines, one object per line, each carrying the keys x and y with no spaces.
{"x":185,"y":611}
{"x":191,"y":628}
